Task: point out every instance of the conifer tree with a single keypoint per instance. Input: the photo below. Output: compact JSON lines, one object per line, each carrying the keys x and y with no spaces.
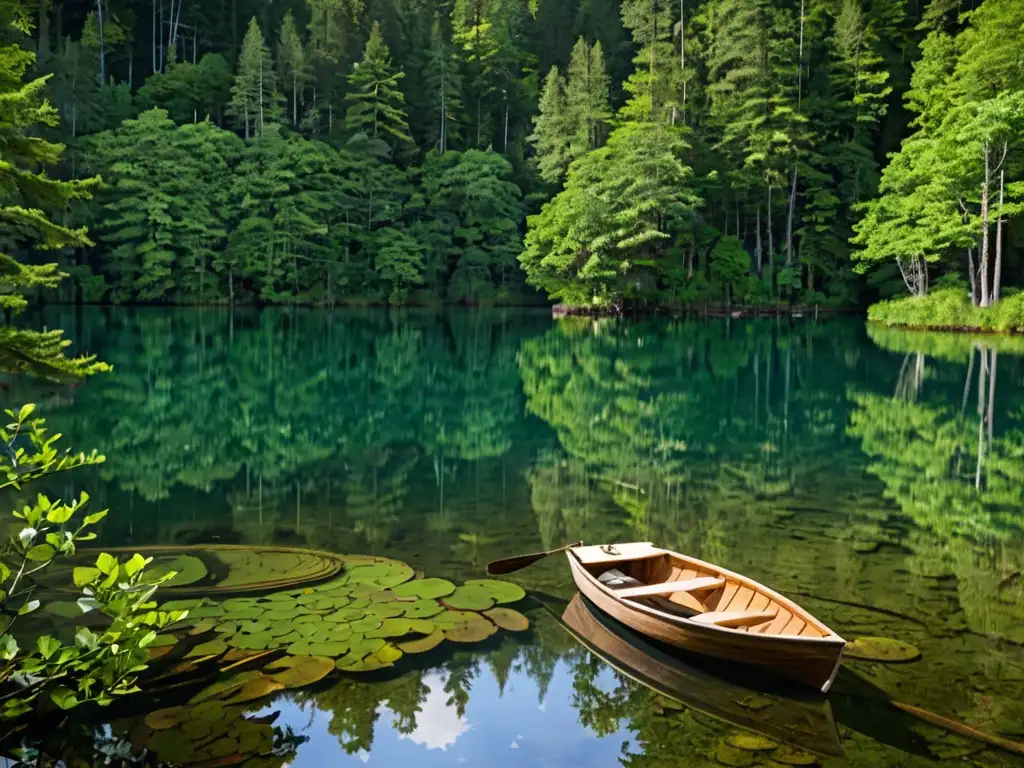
{"x":253,"y":96}
{"x":586,"y":97}
{"x":552,"y":131}
{"x":27,"y":198}
{"x":292,"y":63}
{"x":443,"y":80}
{"x":375,"y":104}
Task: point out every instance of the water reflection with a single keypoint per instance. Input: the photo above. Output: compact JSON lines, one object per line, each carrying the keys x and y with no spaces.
{"x":878,"y":480}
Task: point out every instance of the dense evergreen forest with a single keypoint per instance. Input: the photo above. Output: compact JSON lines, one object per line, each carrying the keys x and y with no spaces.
{"x":600,"y":152}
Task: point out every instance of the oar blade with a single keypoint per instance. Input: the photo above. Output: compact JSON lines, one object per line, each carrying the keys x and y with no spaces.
{"x":511,"y":564}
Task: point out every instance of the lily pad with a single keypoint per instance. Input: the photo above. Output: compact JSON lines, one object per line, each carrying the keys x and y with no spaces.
{"x":502,"y":591}
{"x":259,"y":641}
{"x":469,"y":600}
{"x":468,"y":630}
{"x":883,"y":649}
{"x":254,"y":689}
{"x":345,"y":615}
{"x":222,"y":687}
{"x":421,"y":609}
{"x":332,"y":649}
{"x":751,"y":742}
{"x":367,"y":624}
{"x":385,"y":610}
{"x":190,"y":569}
{"x":352,"y":663}
{"x":401,"y":627}
{"x":788,"y":755}
{"x":66,"y":609}
{"x":162,"y":719}
{"x":299,"y":671}
{"x":389,"y":654}
{"x":423,"y":644}
{"x":425,"y":588}
{"x":386,"y":574}
{"x":209,"y":648}
{"x":203,"y":625}
{"x":508,"y":619}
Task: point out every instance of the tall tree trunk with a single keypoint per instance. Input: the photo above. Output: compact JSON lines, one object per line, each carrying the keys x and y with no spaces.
{"x":985,"y":301}
{"x":800,"y":61}
{"x":973,"y":275}
{"x":789,"y":220}
{"x":997,"y":278}
{"x":261,"y":98}
{"x":154,"y":37}
{"x":757,"y":245}
{"x":771,"y":244}
{"x":103,"y":53}
{"x":682,"y":51}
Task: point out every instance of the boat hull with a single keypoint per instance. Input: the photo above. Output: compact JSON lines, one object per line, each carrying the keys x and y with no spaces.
{"x":810,"y":662}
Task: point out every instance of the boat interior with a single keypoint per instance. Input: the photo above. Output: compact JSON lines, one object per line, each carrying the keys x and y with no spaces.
{"x":673,"y":585}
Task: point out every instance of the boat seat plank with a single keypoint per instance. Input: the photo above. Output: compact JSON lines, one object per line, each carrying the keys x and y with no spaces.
{"x":634,"y":551}
{"x":735,"y":619}
{"x":668,"y":588}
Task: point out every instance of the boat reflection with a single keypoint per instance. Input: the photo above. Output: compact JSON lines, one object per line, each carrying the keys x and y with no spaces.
{"x":787,"y":715}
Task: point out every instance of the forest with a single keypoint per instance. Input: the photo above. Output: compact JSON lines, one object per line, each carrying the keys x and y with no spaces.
{"x":595,"y":152}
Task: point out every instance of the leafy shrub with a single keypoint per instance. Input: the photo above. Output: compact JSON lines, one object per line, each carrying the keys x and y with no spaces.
{"x":98,"y":665}
{"x":950,"y":308}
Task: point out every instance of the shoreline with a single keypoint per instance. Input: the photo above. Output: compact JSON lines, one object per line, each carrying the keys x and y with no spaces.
{"x":961,"y":330}
{"x":736,"y":312}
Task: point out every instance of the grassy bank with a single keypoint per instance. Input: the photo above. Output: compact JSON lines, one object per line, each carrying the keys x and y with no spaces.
{"x":950,"y":309}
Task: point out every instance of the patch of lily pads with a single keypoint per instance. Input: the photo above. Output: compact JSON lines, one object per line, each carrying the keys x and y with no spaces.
{"x":365,"y":619}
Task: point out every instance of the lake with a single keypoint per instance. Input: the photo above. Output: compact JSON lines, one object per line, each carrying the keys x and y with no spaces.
{"x":876,"y":476}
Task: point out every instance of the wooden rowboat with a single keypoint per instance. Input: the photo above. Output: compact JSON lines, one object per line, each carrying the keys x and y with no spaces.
{"x":690,"y":604}
{"x":796,"y":717}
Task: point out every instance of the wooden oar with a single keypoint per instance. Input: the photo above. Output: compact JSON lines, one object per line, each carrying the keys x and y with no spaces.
{"x":510,"y":564}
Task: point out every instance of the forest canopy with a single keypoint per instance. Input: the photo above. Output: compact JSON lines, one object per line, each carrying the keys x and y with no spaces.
{"x":598,"y":152}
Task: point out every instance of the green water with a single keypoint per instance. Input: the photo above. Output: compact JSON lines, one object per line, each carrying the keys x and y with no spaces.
{"x":876,"y":477}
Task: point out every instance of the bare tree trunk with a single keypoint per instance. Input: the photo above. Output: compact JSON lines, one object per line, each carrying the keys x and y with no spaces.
{"x":789,"y":220}
{"x":997,"y":278}
{"x":154,"y":37}
{"x":103,"y":53}
{"x":771,"y":244}
{"x":261,"y":97}
{"x":973,"y":275}
{"x":985,"y":296}
{"x":43,"y":49}
{"x":757,"y":244}
{"x":682,"y":51}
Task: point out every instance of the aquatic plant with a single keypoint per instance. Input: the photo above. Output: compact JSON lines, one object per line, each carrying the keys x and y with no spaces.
{"x":97,"y":665}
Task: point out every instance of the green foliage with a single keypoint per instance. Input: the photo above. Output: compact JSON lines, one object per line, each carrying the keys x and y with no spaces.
{"x":730,"y":264}
{"x":254,"y":98}
{"x":189,"y":92}
{"x":99,"y":665}
{"x":602,"y":240}
{"x":28,"y":197}
{"x":951,"y":309}
{"x":376,"y":105}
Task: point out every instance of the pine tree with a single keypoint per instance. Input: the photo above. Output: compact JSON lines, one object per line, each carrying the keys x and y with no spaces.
{"x":586,"y":97}
{"x":650,"y":86}
{"x":292,"y":63}
{"x":552,"y":131}
{"x":253,"y":97}
{"x":375,"y":104}
{"x":443,"y":81}
{"x":28,"y":196}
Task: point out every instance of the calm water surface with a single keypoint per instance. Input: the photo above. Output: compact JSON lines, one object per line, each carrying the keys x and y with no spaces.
{"x":876,"y":476}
